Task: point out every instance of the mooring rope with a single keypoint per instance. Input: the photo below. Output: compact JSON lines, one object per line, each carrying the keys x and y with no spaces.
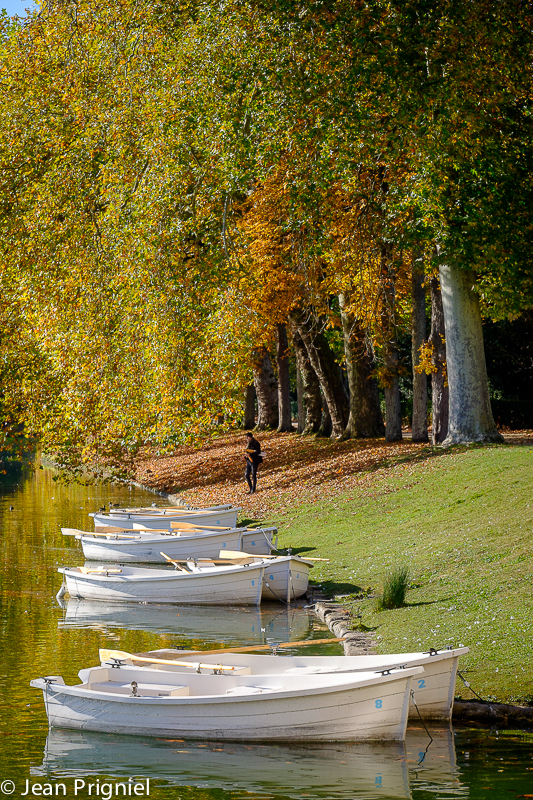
{"x":425,"y":727}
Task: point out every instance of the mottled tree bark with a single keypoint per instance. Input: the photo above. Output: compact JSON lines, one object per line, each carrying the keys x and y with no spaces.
{"x":300,"y":399}
{"x":419,"y":425}
{"x":326,"y":427}
{"x":470,"y":414}
{"x":327,"y":370}
{"x":249,"y":408}
{"x":391,"y":360}
{"x":393,"y":408}
{"x":311,"y":397}
{"x":439,"y":386}
{"x":365,"y":418}
{"x":284,"y":388}
{"x":266,"y":387}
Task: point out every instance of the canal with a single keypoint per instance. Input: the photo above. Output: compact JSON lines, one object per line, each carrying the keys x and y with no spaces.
{"x":40,"y":637}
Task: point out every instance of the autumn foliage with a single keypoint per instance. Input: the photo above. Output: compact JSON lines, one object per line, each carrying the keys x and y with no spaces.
{"x":180,"y":180}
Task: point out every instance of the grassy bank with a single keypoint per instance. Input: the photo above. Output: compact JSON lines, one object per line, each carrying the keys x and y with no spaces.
{"x":462,"y":522}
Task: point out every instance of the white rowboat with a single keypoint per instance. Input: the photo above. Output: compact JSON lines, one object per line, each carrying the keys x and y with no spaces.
{"x":219,"y":518}
{"x":233,"y":585}
{"x":316,"y":708}
{"x":154,"y":509}
{"x":433,"y":692}
{"x":142,"y":546}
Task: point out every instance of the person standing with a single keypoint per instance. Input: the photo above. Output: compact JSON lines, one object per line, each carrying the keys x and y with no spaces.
{"x":253,"y":458}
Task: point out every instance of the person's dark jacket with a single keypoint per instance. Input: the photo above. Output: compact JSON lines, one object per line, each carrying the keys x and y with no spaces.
{"x":254,"y":445}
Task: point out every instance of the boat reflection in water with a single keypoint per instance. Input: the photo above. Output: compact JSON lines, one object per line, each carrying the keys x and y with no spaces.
{"x":431,"y":762}
{"x":330,"y":771}
{"x":364,"y":771}
{"x":232,"y":624}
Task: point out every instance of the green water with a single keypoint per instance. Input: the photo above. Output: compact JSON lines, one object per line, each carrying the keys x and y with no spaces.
{"x":38,"y":637}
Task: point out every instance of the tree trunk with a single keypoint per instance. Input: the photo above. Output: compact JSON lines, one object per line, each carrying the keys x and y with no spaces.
{"x":266,"y":387}
{"x":249,"y":408}
{"x":284,"y":388}
{"x":365,"y":418}
{"x":439,"y":385}
{"x":393,"y":408}
{"x":470,"y":414}
{"x":311,"y":397}
{"x":391,"y":359}
{"x":328,"y":373}
{"x":326,"y":427}
{"x":419,"y":425}
{"x":300,"y":399}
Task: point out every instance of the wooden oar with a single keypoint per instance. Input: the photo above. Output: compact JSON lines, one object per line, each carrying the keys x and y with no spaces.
{"x":310,"y":558}
{"x":263,"y":647}
{"x":192,"y":525}
{"x":178,"y":526}
{"x":138,"y":527}
{"x":114,"y":512}
{"x":75,"y":532}
{"x":110,"y":528}
{"x":217,"y":561}
{"x":240,"y":554}
{"x":171,"y":561}
{"x":121,"y":655}
{"x":103,"y":529}
{"x":177,"y":561}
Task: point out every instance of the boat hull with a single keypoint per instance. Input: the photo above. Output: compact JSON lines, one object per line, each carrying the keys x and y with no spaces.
{"x":147,"y":549}
{"x":258,"y":542}
{"x":148,"y":546}
{"x":374,"y":709}
{"x":233,"y":586}
{"x":224,"y":518}
{"x":285,"y":579}
{"x":433,"y":692}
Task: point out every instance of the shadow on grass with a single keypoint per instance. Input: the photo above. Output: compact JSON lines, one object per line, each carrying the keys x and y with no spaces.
{"x":332,"y":588}
{"x":429,"y":602}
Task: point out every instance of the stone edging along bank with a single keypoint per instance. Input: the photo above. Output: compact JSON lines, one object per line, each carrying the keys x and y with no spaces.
{"x":357,"y":643}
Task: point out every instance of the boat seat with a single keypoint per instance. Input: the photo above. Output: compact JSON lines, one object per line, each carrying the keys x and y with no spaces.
{"x":98,"y":571}
{"x":243,"y":690}
{"x":237,"y":670}
{"x":309,"y":670}
{"x":143,"y":689}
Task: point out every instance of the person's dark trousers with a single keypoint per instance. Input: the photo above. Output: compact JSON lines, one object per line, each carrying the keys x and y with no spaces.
{"x":251,"y":470}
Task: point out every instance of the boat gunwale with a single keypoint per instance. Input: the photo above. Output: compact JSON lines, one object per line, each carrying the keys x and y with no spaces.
{"x":170,"y":574}
{"x":341,"y":686}
{"x":380,"y":658}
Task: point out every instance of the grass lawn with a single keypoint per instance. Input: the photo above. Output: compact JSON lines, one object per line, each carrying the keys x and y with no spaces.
{"x":462,"y":521}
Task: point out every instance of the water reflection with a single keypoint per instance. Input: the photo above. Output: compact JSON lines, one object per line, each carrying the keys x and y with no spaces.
{"x":432,"y":763}
{"x":237,"y":624}
{"x":424,"y":766}
{"x":326,"y":771}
